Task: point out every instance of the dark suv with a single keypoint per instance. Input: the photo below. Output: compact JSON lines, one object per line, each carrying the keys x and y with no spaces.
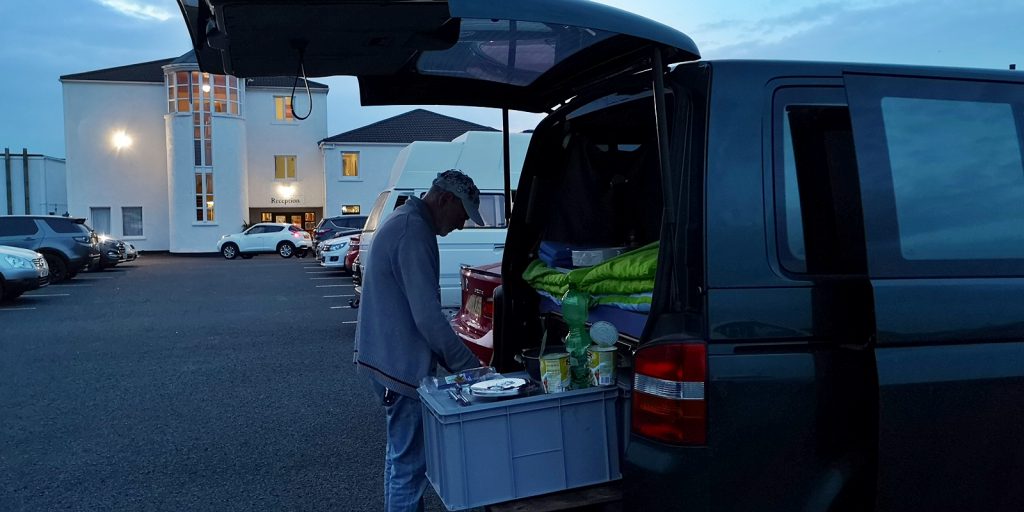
{"x":833,"y":317}
{"x":330,"y":227}
{"x":67,"y":243}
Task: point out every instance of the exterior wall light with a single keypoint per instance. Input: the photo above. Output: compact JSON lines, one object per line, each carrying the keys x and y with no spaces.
{"x":286,"y":191}
{"x":349,"y":209}
{"x":121,"y":140}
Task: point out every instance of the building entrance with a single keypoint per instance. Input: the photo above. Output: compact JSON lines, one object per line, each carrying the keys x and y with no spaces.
{"x":305,"y":219}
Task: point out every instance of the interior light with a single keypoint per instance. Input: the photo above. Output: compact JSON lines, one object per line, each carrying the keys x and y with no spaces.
{"x":121,"y":140}
{"x":349,"y":209}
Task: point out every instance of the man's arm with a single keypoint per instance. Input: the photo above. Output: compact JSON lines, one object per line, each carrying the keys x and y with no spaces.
{"x":416,"y":269}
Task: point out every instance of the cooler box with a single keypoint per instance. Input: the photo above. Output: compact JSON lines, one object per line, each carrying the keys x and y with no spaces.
{"x":496,"y":451}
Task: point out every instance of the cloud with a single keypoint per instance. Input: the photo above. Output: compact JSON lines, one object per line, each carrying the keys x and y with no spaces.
{"x":138,"y":10}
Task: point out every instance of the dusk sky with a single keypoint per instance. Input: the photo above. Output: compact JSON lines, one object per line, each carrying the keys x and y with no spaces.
{"x":43,"y":40}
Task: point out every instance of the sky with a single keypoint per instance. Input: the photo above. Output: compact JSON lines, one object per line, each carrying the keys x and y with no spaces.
{"x":43,"y":40}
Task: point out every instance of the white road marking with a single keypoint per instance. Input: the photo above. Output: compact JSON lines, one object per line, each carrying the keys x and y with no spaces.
{"x":334,"y":296}
{"x":350,"y":322}
{"x":15,"y":309}
{"x":336,"y":277}
{"x":47,"y":295}
{"x":334,"y":285}
{"x":94,"y":277}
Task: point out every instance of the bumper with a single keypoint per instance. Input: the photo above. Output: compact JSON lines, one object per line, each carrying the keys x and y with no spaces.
{"x":25,"y":284}
{"x":334,"y":259}
{"x":655,"y":474}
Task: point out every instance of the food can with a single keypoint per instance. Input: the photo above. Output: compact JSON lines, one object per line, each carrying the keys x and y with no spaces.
{"x":602,"y":365}
{"x":554,"y":372}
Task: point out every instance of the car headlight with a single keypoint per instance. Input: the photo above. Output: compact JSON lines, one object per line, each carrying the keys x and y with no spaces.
{"x":337,"y":247}
{"x":16,"y":262}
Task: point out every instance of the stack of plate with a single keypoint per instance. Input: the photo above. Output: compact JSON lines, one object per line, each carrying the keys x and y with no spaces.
{"x":497,"y":388}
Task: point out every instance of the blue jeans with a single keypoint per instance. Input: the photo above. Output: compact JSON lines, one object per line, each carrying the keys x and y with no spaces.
{"x":405,"y":463}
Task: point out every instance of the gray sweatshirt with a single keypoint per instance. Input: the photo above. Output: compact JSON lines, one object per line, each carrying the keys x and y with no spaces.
{"x":401,"y":333}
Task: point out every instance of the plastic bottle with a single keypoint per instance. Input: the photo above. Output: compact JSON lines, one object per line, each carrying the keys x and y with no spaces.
{"x":575,"y":310}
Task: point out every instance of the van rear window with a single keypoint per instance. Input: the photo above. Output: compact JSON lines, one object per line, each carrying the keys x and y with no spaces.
{"x":66,"y":226}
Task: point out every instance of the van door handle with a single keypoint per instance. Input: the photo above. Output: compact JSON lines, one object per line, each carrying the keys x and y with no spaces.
{"x":28,"y":239}
{"x":499,"y":247}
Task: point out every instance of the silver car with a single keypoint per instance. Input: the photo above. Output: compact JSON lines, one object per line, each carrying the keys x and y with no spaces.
{"x":21,"y":270}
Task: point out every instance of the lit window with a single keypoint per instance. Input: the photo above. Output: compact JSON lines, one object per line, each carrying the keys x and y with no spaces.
{"x":349,"y":165}
{"x":204,"y":196}
{"x":283,"y":109}
{"x":284,"y":167}
{"x":266,"y":217}
{"x":350,"y":209}
{"x":131,"y":220}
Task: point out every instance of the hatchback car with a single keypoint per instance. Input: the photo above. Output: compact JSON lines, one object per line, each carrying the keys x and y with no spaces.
{"x":284,"y":239}
{"x":21,"y":270}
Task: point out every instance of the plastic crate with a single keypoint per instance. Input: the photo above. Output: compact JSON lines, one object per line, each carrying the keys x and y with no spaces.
{"x":491,"y":452}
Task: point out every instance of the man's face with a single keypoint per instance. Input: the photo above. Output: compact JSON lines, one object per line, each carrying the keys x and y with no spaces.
{"x":453,"y":214}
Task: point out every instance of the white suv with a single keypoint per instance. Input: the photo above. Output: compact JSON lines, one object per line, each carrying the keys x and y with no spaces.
{"x":266,"y":237}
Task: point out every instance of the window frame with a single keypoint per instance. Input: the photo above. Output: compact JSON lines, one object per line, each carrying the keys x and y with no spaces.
{"x":294,"y":159}
{"x":124,"y":224}
{"x":354,"y":177}
{"x":866,"y":93}
{"x":205,"y":197}
{"x":283,"y":110}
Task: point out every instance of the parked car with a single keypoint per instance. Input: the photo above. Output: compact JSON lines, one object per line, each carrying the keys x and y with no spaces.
{"x":131,"y":253}
{"x":353,"y":253}
{"x":112,"y":252}
{"x":267,"y":237}
{"x":67,"y":243}
{"x":331,"y":227}
{"x":476,"y":315}
{"x":832,"y":320}
{"x":334,"y":251}
{"x":21,"y":270}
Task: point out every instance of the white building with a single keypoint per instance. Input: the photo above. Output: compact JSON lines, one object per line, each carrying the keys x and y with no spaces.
{"x":358,"y":163}
{"x":172,"y":158}
{"x":32,"y":184}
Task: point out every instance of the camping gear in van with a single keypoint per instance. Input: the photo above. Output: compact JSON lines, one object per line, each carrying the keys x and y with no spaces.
{"x":595,"y":256}
{"x":575,"y":305}
{"x":625,"y":281}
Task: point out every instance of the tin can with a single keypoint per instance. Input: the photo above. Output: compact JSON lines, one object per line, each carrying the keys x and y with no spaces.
{"x":554,"y":372}
{"x":602,"y":365}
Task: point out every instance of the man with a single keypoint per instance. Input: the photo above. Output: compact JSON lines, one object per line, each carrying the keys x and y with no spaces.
{"x":402,"y":334}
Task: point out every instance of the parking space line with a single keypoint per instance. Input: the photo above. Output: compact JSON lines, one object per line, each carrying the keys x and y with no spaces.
{"x":15,"y":309}
{"x":351,"y":322}
{"x":47,"y":295}
{"x":342,"y":307}
{"x":334,"y":296}
{"x":335,"y":277}
{"x":334,"y":285}
{"x":95,"y":277}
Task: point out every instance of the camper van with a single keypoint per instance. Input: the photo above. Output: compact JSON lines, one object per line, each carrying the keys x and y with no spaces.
{"x":828,"y":255}
{"x":478,"y":154}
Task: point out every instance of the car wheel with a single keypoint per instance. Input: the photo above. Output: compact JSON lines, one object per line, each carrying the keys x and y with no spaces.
{"x":229,"y":251}
{"x":285,"y":249}
{"x":246,"y":256}
{"x":58,"y":269}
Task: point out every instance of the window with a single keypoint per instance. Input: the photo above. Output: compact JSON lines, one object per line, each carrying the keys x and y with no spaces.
{"x":284,"y":167}
{"x":945,"y":193}
{"x":817,"y":208}
{"x":66,"y":226}
{"x":202,"y":92}
{"x":100,"y":218}
{"x":376,"y":211}
{"x":349,"y":164}
{"x":204,"y":196}
{"x":492,"y":209}
{"x":283,"y":109}
{"x":17,"y":226}
{"x":131,"y":220}
{"x":273,"y":229}
{"x":350,"y":209}
{"x":266,"y":217}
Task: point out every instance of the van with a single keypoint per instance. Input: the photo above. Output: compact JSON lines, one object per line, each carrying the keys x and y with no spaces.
{"x":834,"y":320}
{"x":478,"y":154}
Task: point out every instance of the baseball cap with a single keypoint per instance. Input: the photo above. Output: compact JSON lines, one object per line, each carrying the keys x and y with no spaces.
{"x":462,"y":186}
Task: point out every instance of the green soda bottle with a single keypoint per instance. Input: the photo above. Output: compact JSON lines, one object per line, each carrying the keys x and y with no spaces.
{"x":575,"y":311}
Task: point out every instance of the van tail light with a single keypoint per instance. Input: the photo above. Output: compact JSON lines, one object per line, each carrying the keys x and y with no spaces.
{"x":668,"y":393}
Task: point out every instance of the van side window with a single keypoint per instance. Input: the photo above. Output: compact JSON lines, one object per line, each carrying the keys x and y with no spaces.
{"x":817,"y":205}
{"x":946,"y":191}
{"x":492,"y":209}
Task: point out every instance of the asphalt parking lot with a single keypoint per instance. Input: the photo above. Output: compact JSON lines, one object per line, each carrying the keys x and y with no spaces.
{"x":188,"y":383}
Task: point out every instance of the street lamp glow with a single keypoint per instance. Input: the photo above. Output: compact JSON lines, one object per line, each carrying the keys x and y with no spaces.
{"x":121,"y":140}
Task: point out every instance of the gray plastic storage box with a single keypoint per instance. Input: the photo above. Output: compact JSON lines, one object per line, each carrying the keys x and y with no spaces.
{"x":496,"y":451}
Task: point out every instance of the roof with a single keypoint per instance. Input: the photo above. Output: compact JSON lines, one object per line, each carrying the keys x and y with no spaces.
{"x":153,"y":72}
{"x":415,"y":125}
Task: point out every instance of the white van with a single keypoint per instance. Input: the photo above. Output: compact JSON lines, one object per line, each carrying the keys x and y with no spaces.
{"x":479,"y":155}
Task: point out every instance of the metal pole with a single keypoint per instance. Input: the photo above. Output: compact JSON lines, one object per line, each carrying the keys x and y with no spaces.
{"x":661,"y":116}
{"x":7,"y":168}
{"x":508,"y":166}
{"x":24,"y":163}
